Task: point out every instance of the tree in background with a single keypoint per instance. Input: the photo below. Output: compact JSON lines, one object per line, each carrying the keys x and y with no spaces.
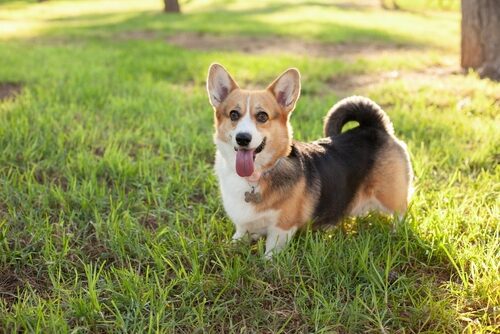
{"x":481,"y":37}
{"x":391,"y":4}
{"x":171,"y":6}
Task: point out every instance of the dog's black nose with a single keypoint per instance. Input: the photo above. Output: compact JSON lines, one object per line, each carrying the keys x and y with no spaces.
{"x":243,"y":138}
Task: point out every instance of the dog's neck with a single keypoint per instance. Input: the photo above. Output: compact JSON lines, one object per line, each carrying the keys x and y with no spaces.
{"x":268,"y":167}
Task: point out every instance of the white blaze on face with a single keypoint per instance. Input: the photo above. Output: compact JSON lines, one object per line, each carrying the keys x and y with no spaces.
{"x":247,"y":125}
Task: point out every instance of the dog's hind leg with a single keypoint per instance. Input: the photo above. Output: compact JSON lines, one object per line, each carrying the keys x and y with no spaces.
{"x":392,"y":178}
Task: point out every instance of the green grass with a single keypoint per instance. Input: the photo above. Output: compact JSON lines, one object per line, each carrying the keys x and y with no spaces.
{"x":110,"y":216}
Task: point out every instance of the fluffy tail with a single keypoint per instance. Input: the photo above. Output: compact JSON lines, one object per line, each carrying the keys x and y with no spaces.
{"x":356,"y":108}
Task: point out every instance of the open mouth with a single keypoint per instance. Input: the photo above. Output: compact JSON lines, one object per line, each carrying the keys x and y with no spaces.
{"x":245,"y":159}
{"x":261,"y":146}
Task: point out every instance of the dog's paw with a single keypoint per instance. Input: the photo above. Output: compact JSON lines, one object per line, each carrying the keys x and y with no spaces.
{"x":268,"y":255}
{"x":238,"y":236}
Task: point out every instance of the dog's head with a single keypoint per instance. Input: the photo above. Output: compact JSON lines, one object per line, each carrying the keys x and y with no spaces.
{"x":252,"y":126}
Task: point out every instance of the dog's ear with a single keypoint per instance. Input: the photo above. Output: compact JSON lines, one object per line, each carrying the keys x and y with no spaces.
{"x":286,"y":89}
{"x":219,"y":84}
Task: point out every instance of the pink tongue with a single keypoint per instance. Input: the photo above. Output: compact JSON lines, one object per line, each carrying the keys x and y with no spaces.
{"x":244,"y":163}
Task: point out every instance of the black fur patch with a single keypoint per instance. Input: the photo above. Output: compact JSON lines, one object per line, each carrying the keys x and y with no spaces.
{"x":284,"y":174}
{"x":356,"y":108}
{"x":340,"y":165}
{"x":334,"y":169}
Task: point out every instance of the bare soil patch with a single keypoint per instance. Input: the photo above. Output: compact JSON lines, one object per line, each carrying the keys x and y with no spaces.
{"x":358,"y":5}
{"x":150,"y":222}
{"x":51,"y":176}
{"x":275,"y":45}
{"x":138,"y":35}
{"x":347,"y":85}
{"x":9,"y":90}
{"x":13,"y":282}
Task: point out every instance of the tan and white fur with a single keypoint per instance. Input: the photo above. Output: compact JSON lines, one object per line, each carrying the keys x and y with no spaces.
{"x":288,"y":183}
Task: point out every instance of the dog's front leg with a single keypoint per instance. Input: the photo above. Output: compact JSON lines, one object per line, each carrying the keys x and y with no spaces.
{"x":277,"y":238}
{"x":239,"y":234}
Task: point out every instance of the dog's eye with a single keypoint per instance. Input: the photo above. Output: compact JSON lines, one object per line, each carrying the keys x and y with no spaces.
{"x":234,"y":115}
{"x":262,"y":117}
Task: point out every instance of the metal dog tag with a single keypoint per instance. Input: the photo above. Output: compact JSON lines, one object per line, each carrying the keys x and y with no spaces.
{"x":253,"y":196}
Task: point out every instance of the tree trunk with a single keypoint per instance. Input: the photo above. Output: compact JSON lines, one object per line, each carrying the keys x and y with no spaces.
{"x":391,"y":5}
{"x":171,"y":6}
{"x":481,"y":37}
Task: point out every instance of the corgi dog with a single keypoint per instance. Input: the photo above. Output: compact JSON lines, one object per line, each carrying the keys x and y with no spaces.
{"x":272,"y":185}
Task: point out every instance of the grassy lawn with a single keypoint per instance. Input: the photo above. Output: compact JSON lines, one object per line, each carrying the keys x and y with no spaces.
{"x":110,"y":215}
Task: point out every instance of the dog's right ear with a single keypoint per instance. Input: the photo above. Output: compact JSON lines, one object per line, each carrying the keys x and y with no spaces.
{"x":219,"y":84}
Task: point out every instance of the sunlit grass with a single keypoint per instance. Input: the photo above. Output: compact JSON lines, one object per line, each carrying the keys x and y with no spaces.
{"x":24,"y":19}
{"x":439,"y":29}
{"x":110,"y":215}
{"x":322,"y":20}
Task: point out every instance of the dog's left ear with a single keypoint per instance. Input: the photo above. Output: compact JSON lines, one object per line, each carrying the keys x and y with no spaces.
{"x":286,"y":89}
{"x":219,"y":84}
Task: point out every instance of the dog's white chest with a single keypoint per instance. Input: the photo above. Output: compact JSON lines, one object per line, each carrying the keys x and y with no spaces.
{"x":233,"y":190}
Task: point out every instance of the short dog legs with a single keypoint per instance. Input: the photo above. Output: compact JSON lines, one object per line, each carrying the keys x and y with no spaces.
{"x":239,"y":234}
{"x":277,"y":238}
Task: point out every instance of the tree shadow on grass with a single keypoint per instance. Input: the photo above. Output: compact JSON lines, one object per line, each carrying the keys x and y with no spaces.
{"x":360,"y":275}
{"x":258,"y":22}
{"x":368,"y":272}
